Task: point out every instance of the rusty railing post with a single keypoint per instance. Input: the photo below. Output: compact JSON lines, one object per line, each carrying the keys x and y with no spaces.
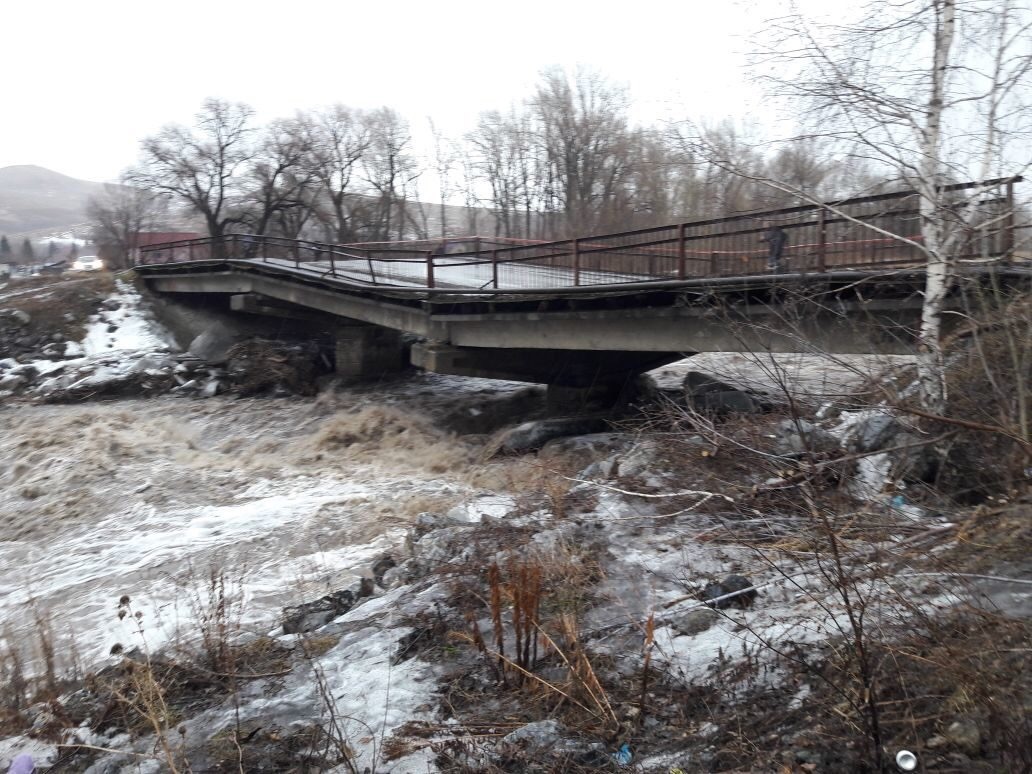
{"x":297,"y":251}
{"x":681,"y":257}
{"x":822,"y":241}
{"x":189,"y":251}
{"x":494,"y":268}
{"x":429,"y":268}
{"x":333,"y":266}
{"x":576,"y":262}
{"x":713,"y":263}
{"x":1008,"y":223}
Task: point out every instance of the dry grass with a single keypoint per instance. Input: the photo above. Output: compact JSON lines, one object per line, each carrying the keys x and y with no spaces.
{"x":58,"y":305}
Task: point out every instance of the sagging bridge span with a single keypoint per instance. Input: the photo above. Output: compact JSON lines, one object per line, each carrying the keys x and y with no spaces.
{"x":591,"y":312}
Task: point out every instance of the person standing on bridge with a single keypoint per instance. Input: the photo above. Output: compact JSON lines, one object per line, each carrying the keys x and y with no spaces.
{"x":776,"y":239}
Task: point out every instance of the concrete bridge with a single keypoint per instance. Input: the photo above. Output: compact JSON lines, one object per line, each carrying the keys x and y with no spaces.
{"x":591,"y":313}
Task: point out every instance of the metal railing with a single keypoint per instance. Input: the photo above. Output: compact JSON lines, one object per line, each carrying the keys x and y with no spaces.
{"x":863,"y":233}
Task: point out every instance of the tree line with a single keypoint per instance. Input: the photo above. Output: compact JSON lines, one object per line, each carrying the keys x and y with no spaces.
{"x":567,"y":160}
{"x":27,"y":252}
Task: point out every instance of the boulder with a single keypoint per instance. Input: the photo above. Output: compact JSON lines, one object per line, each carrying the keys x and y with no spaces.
{"x":213,"y":345}
{"x":380,"y":568}
{"x":311,"y":615}
{"x":711,"y":396}
{"x":965,"y":735}
{"x":16,"y":317}
{"x":697,"y":384}
{"x":713,"y":591}
{"x":873,"y":432}
{"x":531,"y":436}
{"x":694,"y":621}
{"x":799,"y":436}
{"x":581,"y":450}
{"x":917,"y":461}
{"x":154,"y":362}
{"x":12,"y":382}
{"x":541,"y":735}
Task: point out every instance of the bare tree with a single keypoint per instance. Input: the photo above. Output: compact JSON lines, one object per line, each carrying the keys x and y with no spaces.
{"x":390,"y":171}
{"x":495,"y":143}
{"x":118,"y":216}
{"x":338,"y":139}
{"x":445,"y":157}
{"x":278,"y":181}
{"x":584,"y":126}
{"x":199,"y":166}
{"x":931,"y":91}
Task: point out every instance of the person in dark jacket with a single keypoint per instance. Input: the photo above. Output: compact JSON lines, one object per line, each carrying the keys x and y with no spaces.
{"x":776,"y":239}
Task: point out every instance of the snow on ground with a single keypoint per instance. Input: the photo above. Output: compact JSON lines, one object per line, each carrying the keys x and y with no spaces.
{"x":127,"y":327}
{"x":813,"y":377}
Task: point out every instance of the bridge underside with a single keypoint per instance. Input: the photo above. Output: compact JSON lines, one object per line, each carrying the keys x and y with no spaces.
{"x":578,"y":339}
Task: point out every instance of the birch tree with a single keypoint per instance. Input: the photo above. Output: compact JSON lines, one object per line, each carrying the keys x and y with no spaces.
{"x":933,"y":92}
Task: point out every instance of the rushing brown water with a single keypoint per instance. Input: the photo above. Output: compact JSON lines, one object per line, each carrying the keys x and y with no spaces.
{"x":290,"y":497}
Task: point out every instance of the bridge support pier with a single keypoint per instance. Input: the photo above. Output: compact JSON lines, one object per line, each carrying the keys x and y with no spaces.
{"x":368,"y":351}
{"x":577,"y":380}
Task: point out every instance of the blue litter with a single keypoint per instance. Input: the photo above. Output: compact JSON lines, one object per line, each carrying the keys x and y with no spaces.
{"x":623,"y":756}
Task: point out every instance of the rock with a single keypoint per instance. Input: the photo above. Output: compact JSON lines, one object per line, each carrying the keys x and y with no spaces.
{"x":396,"y":576}
{"x":582,"y":450}
{"x":153,"y":362}
{"x":711,"y":396}
{"x":111,"y":304}
{"x":731,"y":584}
{"x":12,"y":382}
{"x":540,"y":736}
{"x":212,"y":345}
{"x":112,"y":328}
{"x":694,"y":621}
{"x":917,"y":462}
{"x":697,"y":383}
{"x":808,"y":756}
{"x":799,"y":436}
{"x":641,"y":458}
{"x":965,"y":735}
{"x":426,"y":522}
{"x":211,"y":389}
{"x":873,"y":432}
{"x":380,"y":568}
{"x":17,"y":317}
{"x":531,"y":436}
{"x":312,"y":615}
{"x":449,"y":545}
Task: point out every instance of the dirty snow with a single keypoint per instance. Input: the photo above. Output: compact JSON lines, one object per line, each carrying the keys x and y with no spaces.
{"x":135,"y":329}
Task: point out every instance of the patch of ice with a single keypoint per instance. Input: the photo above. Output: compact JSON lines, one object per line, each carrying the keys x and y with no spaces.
{"x":43,"y":753}
{"x":492,"y":506}
{"x":872,"y":473}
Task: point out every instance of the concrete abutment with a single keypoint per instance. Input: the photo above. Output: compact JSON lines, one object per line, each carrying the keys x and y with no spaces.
{"x":365,"y":351}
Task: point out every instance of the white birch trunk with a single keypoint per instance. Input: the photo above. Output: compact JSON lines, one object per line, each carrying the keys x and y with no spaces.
{"x":930,"y":366}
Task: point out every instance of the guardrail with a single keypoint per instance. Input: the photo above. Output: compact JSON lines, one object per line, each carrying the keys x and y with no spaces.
{"x":862,"y":233}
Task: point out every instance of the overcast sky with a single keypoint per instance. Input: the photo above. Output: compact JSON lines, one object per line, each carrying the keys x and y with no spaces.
{"x":84,"y":82}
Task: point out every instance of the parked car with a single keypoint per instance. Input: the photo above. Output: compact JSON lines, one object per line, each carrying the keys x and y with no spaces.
{"x":87,"y":263}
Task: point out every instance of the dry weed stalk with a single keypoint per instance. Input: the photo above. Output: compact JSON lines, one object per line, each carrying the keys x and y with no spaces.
{"x":143,"y":695}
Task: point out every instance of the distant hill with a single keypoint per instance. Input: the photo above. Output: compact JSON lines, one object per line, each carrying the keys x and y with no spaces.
{"x":35,"y":199}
